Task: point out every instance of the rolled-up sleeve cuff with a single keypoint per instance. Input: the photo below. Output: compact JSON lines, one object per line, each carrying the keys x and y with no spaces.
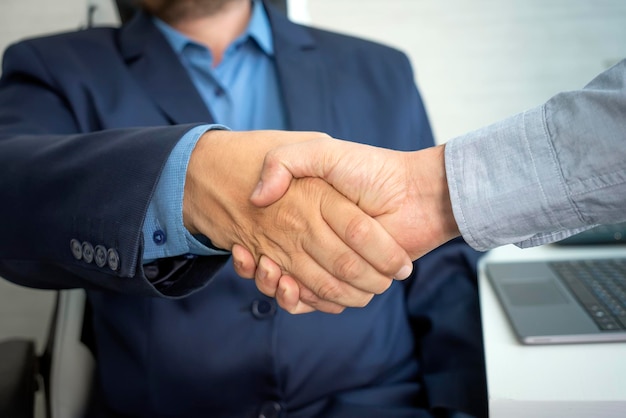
{"x":506,"y":185}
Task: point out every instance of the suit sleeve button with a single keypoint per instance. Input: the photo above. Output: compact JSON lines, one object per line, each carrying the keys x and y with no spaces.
{"x":87,"y":252}
{"x":113,"y":259}
{"x":77,"y":249}
{"x":100,"y":255}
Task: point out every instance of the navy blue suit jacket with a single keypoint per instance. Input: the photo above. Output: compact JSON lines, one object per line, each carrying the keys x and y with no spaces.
{"x":87,"y":120}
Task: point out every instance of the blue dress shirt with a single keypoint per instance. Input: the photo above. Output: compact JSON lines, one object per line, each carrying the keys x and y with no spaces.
{"x":242,"y":93}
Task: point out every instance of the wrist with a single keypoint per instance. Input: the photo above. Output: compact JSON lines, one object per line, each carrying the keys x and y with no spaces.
{"x":449,"y":222}
{"x":428,"y":176}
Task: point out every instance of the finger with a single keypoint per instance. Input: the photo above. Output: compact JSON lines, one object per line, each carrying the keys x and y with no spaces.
{"x":321,"y":262}
{"x":346,"y":269}
{"x":317,"y":285}
{"x":243,"y":262}
{"x":369,"y":239}
{"x":287,"y":290}
{"x":268,"y":273}
{"x":288,"y":296}
{"x":310,"y":299}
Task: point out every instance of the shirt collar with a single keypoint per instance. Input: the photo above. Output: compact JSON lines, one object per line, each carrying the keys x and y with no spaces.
{"x":258,"y":29}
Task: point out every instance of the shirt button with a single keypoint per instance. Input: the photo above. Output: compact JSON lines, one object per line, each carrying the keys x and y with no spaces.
{"x":100,"y":255}
{"x":77,"y":249}
{"x":159,"y":237}
{"x":270,"y":410}
{"x":219,"y":92}
{"x":262,"y":308}
{"x":87,"y":252}
{"x":113,"y":259}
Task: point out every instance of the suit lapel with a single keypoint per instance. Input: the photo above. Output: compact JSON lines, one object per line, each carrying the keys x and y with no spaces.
{"x":158,"y":70}
{"x":303,"y":78}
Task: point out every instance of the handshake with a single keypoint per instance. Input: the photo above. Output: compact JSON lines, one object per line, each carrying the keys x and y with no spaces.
{"x":327,"y":224}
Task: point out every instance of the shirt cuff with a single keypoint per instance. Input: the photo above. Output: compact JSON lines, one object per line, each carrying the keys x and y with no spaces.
{"x":164,"y":233}
{"x":506,"y":186}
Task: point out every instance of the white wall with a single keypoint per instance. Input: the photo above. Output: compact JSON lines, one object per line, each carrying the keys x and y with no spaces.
{"x":25,"y":18}
{"x":481,"y":60}
{"x":21,"y":18}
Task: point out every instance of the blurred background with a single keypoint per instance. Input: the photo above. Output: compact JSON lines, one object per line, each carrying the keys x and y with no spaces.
{"x":475,"y":62}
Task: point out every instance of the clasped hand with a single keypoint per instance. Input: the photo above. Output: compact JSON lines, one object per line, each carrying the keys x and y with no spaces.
{"x":311,"y":238}
{"x":406,"y":192}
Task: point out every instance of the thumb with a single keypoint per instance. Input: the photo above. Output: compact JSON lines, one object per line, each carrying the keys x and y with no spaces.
{"x":275,"y":180}
{"x":284,"y":163}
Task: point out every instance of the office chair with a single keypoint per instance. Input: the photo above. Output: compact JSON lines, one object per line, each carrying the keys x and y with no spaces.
{"x":64,"y":371}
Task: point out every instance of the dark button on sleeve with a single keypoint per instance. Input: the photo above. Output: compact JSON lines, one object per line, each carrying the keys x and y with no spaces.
{"x":87,"y":252}
{"x":113,"y":259}
{"x":77,"y":249}
{"x":159,"y":237}
{"x":100,"y":255}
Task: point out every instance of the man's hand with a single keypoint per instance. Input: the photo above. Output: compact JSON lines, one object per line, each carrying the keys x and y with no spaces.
{"x":317,"y":237}
{"x":406,"y":192}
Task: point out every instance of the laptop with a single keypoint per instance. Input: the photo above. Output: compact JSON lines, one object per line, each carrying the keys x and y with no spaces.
{"x":565,"y":301}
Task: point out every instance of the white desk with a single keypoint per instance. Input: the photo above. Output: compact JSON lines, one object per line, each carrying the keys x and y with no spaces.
{"x":574,"y":380}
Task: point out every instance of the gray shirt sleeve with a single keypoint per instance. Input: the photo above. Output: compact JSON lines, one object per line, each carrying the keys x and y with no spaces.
{"x":544,"y":174}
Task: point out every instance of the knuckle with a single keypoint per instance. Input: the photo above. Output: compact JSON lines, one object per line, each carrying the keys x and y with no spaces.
{"x":347,"y":267}
{"x":290,"y":220}
{"x":271,"y":159}
{"x":358,"y":229}
{"x":330,"y":291}
{"x":308,"y":297}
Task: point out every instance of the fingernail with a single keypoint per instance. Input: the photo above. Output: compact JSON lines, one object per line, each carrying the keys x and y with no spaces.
{"x":404,"y":272}
{"x":261,"y":273}
{"x":257,"y":190}
{"x":282,"y":288}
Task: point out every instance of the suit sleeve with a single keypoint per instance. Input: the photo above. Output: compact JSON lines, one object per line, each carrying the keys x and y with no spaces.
{"x":70,"y":189}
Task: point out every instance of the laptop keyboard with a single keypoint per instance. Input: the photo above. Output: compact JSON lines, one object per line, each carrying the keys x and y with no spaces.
{"x":600,"y":287}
